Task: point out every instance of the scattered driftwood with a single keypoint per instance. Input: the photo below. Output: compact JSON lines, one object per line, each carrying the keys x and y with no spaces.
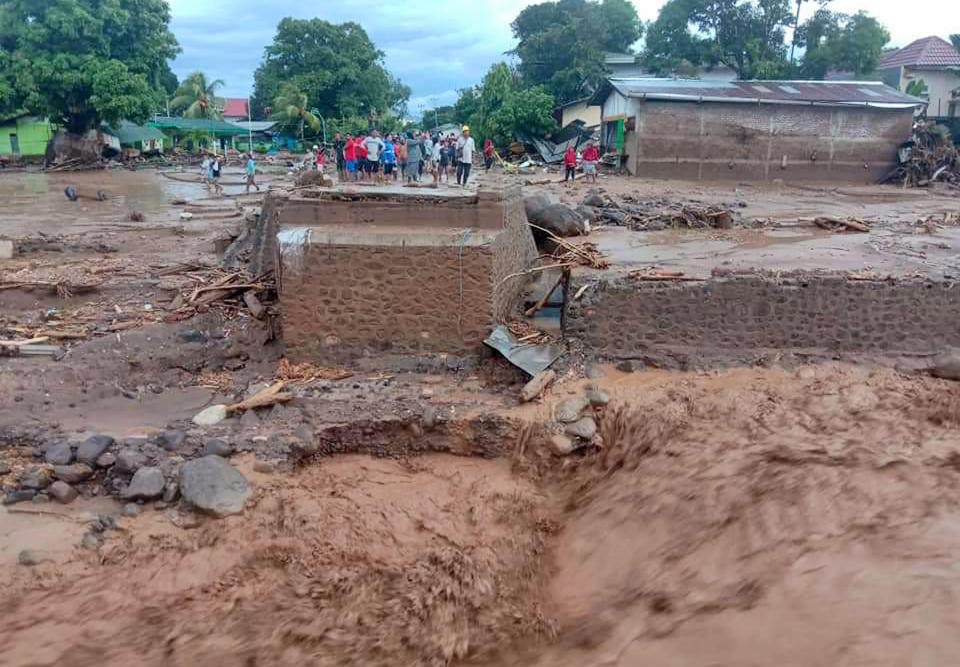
{"x":841,"y":224}
{"x":307,"y":372}
{"x":930,"y":157}
{"x":654,"y":275}
{"x":584,"y":253}
{"x":546,"y":297}
{"x":269,"y":396}
{"x":537,"y":385}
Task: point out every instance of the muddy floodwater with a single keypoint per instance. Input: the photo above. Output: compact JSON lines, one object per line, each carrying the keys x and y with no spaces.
{"x":800,"y":511}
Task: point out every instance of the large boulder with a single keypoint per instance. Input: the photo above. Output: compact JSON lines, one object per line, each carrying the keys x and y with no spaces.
{"x":59,"y":454}
{"x":557,"y":218}
{"x":947,"y":366}
{"x":312,"y":177}
{"x":90,"y":449}
{"x":147,"y":484}
{"x":211,"y":484}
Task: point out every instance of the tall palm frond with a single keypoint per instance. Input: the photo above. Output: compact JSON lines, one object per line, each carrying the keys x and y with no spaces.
{"x":290,"y":108}
{"x":196,"y":97}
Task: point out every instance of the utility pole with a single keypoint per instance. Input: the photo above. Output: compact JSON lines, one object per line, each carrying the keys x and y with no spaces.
{"x":796,"y":26}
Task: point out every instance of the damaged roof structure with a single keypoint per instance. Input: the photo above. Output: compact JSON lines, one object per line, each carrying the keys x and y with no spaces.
{"x":813,"y":130}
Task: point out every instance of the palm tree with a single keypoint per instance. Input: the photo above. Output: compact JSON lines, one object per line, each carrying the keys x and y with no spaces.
{"x":196,"y":97}
{"x":290,"y":107}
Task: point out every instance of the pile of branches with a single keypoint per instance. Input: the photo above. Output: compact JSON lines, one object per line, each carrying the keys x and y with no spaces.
{"x":660,"y":214}
{"x":929,"y":157}
{"x":232,"y":292}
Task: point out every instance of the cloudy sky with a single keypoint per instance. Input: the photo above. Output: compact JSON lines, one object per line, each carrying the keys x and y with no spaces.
{"x":434,"y":46}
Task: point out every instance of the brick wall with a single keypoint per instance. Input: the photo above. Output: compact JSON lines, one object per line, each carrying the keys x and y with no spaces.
{"x":624,"y":319}
{"x":720,"y":141}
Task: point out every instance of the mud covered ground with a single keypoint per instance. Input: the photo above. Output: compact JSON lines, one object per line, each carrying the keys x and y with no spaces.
{"x":755,"y":516}
{"x":747,"y":517}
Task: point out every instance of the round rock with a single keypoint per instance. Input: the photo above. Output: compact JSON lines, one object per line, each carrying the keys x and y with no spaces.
{"x":90,"y":449}
{"x":147,"y":484}
{"x":211,"y":484}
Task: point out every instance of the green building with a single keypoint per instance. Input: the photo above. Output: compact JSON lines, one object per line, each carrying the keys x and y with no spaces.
{"x":144,"y":139}
{"x":25,"y":135}
{"x":193,"y":132}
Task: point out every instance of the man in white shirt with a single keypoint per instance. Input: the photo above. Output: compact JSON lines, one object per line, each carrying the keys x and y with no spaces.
{"x":465,"y":148}
{"x":374,"y":145}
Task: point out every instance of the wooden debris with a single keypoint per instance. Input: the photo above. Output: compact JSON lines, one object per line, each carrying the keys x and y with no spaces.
{"x":841,"y":224}
{"x":527,"y":333}
{"x":257,"y":309}
{"x":666,"y":276}
{"x":307,"y":372}
{"x":269,"y":396}
{"x":933,"y":157}
{"x":546,"y":297}
{"x":537,"y":385}
{"x":585,"y":253}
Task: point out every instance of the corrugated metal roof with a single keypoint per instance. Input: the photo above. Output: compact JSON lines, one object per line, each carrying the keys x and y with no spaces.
{"x":129,"y":133}
{"x":828,"y":93}
{"x":235,"y":107}
{"x":929,"y":52}
{"x":254,"y":125}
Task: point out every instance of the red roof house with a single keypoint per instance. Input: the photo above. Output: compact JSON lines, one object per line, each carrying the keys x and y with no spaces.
{"x":936,"y":62}
{"x":235,"y":108}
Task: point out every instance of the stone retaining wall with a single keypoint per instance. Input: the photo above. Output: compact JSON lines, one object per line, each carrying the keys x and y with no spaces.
{"x":627,"y":319}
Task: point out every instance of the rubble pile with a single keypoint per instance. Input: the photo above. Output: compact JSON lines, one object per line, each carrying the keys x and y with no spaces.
{"x":658,"y":214}
{"x":929,"y":157}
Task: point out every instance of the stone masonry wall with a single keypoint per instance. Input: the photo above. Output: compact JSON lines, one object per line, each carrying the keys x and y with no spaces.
{"x":625,"y":319}
{"x":352,"y":300}
{"x":718,"y":141}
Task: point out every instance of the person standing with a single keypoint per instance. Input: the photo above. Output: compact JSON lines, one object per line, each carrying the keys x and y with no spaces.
{"x":389,"y":158}
{"x":570,"y":164}
{"x":350,"y":157}
{"x":250,"y":169}
{"x":465,"y":149}
{"x":215,"y":174}
{"x":414,"y":159}
{"x":436,"y":157}
{"x":444,"y":160}
{"x":487,"y":153}
{"x":402,"y":149}
{"x":338,"y":146}
{"x":374,"y":146}
{"x":205,"y":171}
{"x":361,"y":144}
{"x":591,"y":156}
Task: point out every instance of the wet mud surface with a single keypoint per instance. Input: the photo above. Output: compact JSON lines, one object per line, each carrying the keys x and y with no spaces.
{"x":414,"y":513}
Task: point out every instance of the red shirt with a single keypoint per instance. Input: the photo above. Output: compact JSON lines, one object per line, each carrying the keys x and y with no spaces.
{"x":570,"y":157}
{"x":362,"y":148}
{"x":591,"y":154}
{"x":350,"y":150}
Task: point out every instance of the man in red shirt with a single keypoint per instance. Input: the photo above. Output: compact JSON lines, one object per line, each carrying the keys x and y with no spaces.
{"x":570,"y":164}
{"x":361,"y":144}
{"x":591,"y":156}
{"x":350,"y":157}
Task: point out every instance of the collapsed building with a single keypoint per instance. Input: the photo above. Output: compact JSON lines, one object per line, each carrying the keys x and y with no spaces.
{"x":755,"y":130}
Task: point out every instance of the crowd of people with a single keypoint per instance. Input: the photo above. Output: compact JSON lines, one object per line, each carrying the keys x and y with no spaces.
{"x":409,"y":157}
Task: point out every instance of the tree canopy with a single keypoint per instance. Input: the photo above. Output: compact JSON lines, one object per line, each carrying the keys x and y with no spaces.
{"x":503,"y":106}
{"x":749,"y":36}
{"x":838,"y":41}
{"x":290,"y":108}
{"x":81,"y":62}
{"x":562,"y":44}
{"x":336,"y":66}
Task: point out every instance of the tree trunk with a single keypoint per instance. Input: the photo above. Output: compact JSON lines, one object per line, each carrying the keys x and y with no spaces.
{"x":65,"y":146}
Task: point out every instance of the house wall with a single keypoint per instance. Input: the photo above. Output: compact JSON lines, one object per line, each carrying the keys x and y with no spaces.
{"x":725,"y":141}
{"x":32,"y":136}
{"x":589,"y":114}
{"x":939,"y":85}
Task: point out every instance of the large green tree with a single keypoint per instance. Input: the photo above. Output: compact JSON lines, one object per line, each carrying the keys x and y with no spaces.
{"x":503,"y":106}
{"x":838,"y":41}
{"x":336,"y":66}
{"x":955,"y":40}
{"x":81,"y":62}
{"x":672,"y":47}
{"x":197,"y":97}
{"x":561,"y":44}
